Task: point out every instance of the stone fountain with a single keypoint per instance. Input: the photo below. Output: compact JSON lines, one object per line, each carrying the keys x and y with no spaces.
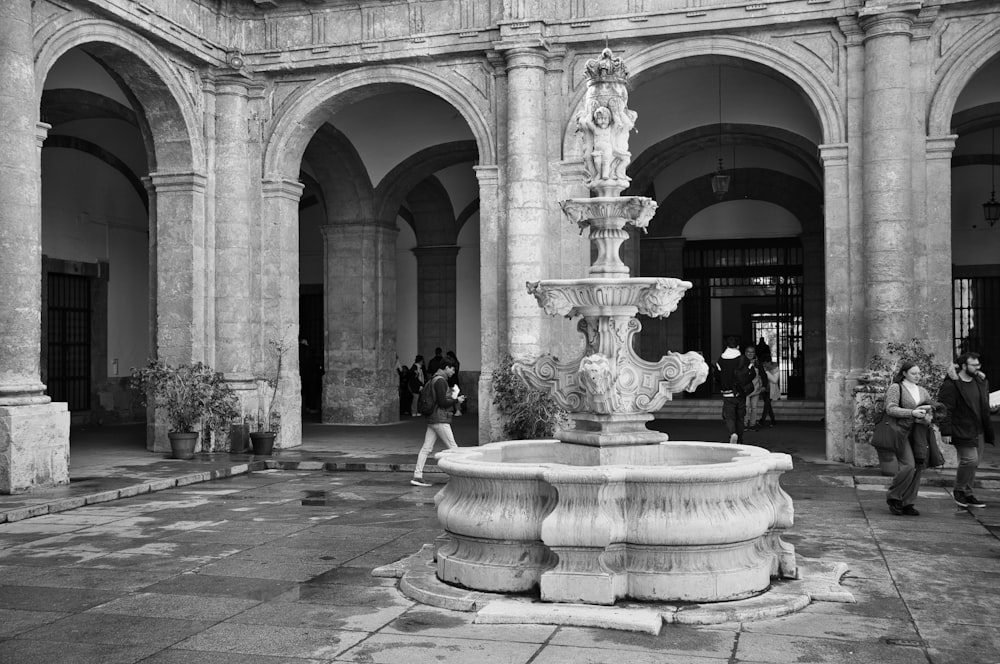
{"x":611,"y":509}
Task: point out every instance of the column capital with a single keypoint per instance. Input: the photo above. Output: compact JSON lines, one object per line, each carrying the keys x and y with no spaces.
{"x":279,"y":187}
{"x":487,"y":175}
{"x":833,"y":154}
{"x":851,"y":28}
{"x":520,"y":55}
{"x":436,"y":251}
{"x":178,"y":181}
{"x":342,"y":227}
{"x":941,"y":147}
{"x":42,"y":132}
{"x":230,"y":83}
{"x":886,"y":20}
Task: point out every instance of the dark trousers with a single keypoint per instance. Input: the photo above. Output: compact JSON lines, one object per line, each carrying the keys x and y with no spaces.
{"x":906,"y":482}
{"x":767,"y":411}
{"x":734,"y":409}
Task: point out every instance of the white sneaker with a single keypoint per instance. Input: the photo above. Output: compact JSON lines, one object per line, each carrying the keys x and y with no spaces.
{"x":733,"y":439}
{"x":419,"y":481}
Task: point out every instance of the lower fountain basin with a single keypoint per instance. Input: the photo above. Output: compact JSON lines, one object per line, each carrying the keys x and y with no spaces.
{"x":677,"y":521}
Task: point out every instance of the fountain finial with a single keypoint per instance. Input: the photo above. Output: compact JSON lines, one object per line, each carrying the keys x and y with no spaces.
{"x":606,"y":68}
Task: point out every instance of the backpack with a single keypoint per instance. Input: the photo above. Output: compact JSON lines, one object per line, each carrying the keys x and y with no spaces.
{"x":744,"y":375}
{"x":427,"y":401}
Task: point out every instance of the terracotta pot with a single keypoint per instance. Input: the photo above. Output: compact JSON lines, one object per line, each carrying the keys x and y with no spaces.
{"x":262,"y":441}
{"x":182,"y":444}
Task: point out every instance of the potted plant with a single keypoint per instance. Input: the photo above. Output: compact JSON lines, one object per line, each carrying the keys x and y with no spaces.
{"x":194,"y":397}
{"x":267,"y":422}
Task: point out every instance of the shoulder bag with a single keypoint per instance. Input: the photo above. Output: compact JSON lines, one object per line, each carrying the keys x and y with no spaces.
{"x":885,"y":434}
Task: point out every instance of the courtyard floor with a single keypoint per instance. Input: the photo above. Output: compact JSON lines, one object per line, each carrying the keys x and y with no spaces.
{"x":240,"y":559}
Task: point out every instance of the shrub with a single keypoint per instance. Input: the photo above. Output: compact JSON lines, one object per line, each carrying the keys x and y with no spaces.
{"x":525,"y":413}
{"x":194,"y":396}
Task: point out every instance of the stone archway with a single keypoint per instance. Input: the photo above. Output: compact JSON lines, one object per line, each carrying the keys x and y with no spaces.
{"x":166,"y":112}
{"x":298,"y":119}
{"x":820,"y":92}
{"x":359,"y":379}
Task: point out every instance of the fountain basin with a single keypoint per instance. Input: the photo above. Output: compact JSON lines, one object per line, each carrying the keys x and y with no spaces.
{"x":677,"y":521}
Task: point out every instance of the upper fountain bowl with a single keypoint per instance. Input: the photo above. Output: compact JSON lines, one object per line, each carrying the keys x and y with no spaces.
{"x":651,"y":296}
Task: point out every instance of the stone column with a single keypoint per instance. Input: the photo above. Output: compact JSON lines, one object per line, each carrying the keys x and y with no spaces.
{"x":839,"y":314}
{"x":233,"y":222}
{"x":279,"y":299}
{"x":147,"y":183}
{"x":935,"y":317}
{"x":177,"y":250}
{"x":890,"y":295}
{"x":34,"y":431}
{"x":527,"y":190}
{"x":492,"y":303}
{"x":436,"y":288}
{"x":813,"y":310}
{"x":360,"y":384}
{"x":180,"y":266}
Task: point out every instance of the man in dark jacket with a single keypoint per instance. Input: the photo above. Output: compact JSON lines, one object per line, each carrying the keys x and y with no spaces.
{"x":439,"y":421}
{"x":966,"y":425}
{"x":435,"y":362}
{"x":732,"y":371}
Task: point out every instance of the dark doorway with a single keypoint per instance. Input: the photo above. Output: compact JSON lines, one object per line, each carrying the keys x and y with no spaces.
{"x":748,"y":289}
{"x":311,"y":326}
{"x":68,"y":340}
{"x":976,"y":312}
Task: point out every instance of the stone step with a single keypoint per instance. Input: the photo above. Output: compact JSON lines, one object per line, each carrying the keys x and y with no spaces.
{"x":796,"y":410}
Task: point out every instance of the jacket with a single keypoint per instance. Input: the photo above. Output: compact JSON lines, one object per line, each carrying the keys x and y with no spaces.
{"x":735,"y":377}
{"x":960,"y":420}
{"x":445,"y":404}
{"x":899,"y":405}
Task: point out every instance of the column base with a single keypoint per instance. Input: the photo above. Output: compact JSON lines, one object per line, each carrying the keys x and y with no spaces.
{"x":34,"y":447}
{"x":360,"y":396}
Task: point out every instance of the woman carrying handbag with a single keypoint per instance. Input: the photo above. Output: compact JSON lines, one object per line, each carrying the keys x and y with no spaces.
{"x":912,"y":420}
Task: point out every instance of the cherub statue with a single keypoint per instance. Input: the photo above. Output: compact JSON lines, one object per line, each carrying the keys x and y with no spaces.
{"x":598,"y":142}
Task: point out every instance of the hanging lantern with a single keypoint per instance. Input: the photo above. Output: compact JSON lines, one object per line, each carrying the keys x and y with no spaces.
{"x":720,"y":183}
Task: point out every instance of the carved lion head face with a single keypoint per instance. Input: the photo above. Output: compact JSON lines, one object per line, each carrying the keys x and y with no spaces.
{"x":595,"y":373}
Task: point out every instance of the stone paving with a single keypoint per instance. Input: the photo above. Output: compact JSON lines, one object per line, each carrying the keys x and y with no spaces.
{"x":274,"y":565}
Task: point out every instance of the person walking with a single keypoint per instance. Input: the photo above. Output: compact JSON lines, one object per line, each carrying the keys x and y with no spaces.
{"x":905,"y":402}
{"x":966,"y":424}
{"x":734,"y":381}
{"x":439,"y":421}
{"x":770,"y":392}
